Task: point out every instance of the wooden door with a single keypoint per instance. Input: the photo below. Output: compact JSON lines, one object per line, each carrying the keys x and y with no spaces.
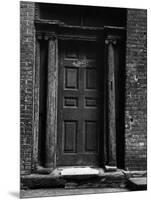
{"x":80,"y":104}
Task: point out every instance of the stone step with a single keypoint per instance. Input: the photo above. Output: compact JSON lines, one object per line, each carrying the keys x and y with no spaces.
{"x":68,"y":179}
{"x":73,"y":171}
{"x":139,"y":183}
{"x":85,"y":177}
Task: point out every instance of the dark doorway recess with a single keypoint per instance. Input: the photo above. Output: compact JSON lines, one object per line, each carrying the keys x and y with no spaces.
{"x":120,"y":104}
{"x":43,"y":101}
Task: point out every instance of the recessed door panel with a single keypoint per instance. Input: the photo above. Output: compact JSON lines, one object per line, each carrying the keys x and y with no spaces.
{"x":70,"y":136}
{"x":71,"y":78}
{"x":90,"y":102}
{"x":71,"y":102}
{"x":91,"y":78}
{"x":91,"y":144}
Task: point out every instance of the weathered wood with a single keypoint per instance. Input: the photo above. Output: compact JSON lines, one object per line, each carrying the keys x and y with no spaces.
{"x":111,"y":104}
{"x":51,"y":124}
{"x":36,"y":106}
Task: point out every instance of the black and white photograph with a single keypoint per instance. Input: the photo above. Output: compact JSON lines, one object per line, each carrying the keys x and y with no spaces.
{"x":83,"y":99}
{"x":75,"y":99}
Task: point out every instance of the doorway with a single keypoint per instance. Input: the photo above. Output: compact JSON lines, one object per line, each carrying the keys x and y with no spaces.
{"x":80,"y":103}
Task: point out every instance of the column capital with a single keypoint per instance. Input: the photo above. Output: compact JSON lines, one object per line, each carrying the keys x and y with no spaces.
{"x":52,"y":37}
{"x":110,"y":41}
{"x":46,"y":36}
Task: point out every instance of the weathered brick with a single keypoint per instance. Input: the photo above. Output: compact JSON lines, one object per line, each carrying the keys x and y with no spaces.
{"x":136,"y":90}
{"x":27,"y":32}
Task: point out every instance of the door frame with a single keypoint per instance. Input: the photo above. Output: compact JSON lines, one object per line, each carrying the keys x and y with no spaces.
{"x":52,"y":33}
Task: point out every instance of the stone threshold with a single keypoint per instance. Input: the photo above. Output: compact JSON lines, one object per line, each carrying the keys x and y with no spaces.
{"x":82,"y":177}
{"x":75,"y":177}
{"x":75,"y":171}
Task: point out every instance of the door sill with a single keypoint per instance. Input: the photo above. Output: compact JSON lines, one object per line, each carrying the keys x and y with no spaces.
{"x":78,"y":170}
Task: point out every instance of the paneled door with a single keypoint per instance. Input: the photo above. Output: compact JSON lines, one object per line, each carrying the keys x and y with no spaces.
{"x":80,"y":103}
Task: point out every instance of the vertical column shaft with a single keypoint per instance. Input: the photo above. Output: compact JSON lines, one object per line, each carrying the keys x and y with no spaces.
{"x":111,"y":161}
{"x":51,"y":124}
{"x":36,"y":105}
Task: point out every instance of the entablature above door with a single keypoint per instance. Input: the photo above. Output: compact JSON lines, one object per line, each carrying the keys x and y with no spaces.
{"x":54,"y":29}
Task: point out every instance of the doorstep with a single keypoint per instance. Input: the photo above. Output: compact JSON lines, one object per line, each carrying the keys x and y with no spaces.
{"x":75,"y":178}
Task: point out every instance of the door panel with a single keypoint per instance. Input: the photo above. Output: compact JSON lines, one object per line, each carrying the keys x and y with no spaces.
{"x":70,"y":136}
{"x":71,"y":77}
{"x":80,"y":104}
{"x":90,"y":78}
{"x":91,"y":144}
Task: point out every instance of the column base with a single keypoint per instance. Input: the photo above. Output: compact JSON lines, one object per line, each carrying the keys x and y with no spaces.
{"x":110,"y":168}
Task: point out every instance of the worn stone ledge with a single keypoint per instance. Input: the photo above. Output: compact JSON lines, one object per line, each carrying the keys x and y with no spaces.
{"x":57,"y":180}
{"x":136,"y":180}
{"x":34,"y":181}
{"x":91,"y":178}
{"x":132,"y":174}
{"x":136,"y":184}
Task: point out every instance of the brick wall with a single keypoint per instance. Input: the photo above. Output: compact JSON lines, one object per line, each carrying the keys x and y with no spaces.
{"x":27,"y":36}
{"x":136,"y":90}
